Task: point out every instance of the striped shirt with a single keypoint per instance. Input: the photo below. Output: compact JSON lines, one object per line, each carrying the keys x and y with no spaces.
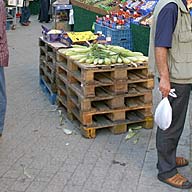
{"x":4,"y":54}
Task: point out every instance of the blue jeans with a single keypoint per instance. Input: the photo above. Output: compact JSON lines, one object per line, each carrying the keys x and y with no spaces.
{"x":3,"y":99}
{"x":25,"y":14}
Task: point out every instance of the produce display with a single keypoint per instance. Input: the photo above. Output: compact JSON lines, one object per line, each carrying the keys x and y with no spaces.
{"x":99,"y":54}
{"x":147,"y":21}
{"x":106,"y":5}
{"x":129,"y":11}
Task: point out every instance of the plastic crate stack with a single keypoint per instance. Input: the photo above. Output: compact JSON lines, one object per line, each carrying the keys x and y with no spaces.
{"x":47,"y":69}
{"x":113,"y":96}
{"x":120,"y":37}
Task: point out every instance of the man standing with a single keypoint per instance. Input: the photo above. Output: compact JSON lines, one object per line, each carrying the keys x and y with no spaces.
{"x":4,"y":56}
{"x":44,"y":11}
{"x":170,"y":56}
{"x":25,"y":13}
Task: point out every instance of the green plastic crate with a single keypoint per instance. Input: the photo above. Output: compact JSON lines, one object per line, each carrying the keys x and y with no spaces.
{"x":140,"y":38}
{"x":83,"y":19}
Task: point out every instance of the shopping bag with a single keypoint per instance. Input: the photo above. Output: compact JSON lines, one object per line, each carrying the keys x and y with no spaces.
{"x":163,"y":112}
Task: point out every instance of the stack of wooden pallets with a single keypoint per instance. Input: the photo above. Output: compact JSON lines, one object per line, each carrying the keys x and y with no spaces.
{"x":104,"y":96}
{"x":47,"y":68}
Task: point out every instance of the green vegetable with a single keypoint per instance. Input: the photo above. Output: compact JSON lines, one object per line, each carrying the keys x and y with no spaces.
{"x":107,"y":61}
{"x":100,"y":61}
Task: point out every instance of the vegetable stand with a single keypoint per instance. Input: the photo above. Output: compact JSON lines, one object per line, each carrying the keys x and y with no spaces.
{"x":103,"y":95}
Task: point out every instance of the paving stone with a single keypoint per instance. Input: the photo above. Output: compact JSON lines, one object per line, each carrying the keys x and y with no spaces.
{"x":36,"y":187}
{"x":13,"y":173}
{"x":164,"y":188}
{"x":114,"y":177}
{"x":20,"y":185}
{"x":5,"y":183}
{"x":61,"y":177}
{"x":96,"y":178}
{"x":81,"y":174}
{"x":44,"y":176}
{"x":56,"y":188}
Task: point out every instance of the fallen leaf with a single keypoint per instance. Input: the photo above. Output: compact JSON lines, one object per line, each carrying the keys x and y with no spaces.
{"x":130,"y":134}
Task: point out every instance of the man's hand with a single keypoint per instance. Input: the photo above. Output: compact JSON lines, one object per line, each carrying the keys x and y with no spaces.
{"x":164,"y":86}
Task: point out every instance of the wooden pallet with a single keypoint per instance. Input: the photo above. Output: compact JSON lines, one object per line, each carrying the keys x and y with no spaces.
{"x":48,"y":74}
{"x":116,"y":79}
{"x":87,"y":117}
{"x":62,"y":100}
{"x":90,"y":90}
{"x":47,"y":62}
{"x":137,"y":94}
{"x":49,"y":69}
{"x":90,"y":132}
{"x":119,"y":128}
{"x":105,"y":101}
{"x":101,"y":73}
{"x":117,"y":121}
{"x":116,"y":127}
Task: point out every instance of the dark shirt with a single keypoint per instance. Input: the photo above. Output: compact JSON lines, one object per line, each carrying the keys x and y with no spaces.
{"x":166,"y":23}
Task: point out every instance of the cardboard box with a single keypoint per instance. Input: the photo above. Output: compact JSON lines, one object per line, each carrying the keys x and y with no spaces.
{"x":71,"y":38}
{"x":63,"y":25}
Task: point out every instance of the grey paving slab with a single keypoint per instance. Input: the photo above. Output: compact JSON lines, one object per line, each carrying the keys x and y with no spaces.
{"x":36,"y":155}
{"x":36,"y":187}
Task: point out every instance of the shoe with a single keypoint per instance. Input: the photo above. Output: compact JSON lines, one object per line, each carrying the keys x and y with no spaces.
{"x":181,"y":162}
{"x":0,"y":134}
{"x":25,"y":24}
{"x":177,"y":181}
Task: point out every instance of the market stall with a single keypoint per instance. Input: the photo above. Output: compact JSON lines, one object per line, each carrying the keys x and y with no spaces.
{"x":99,"y":85}
{"x":62,"y":16}
{"x":99,"y":78}
{"x":134,"y":17}
{"x":88,"y":10}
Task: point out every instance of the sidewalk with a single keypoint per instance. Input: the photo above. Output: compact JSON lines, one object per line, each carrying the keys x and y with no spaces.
{"x":35,"y":154}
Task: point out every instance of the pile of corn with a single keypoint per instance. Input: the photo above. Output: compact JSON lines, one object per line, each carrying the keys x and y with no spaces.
{"x":104,"y":54}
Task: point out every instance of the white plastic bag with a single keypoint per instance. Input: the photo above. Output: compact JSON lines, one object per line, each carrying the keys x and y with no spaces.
{"x":163,"y":112}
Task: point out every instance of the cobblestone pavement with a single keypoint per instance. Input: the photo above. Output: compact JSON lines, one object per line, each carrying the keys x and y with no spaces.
{"x":35,"y":154}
